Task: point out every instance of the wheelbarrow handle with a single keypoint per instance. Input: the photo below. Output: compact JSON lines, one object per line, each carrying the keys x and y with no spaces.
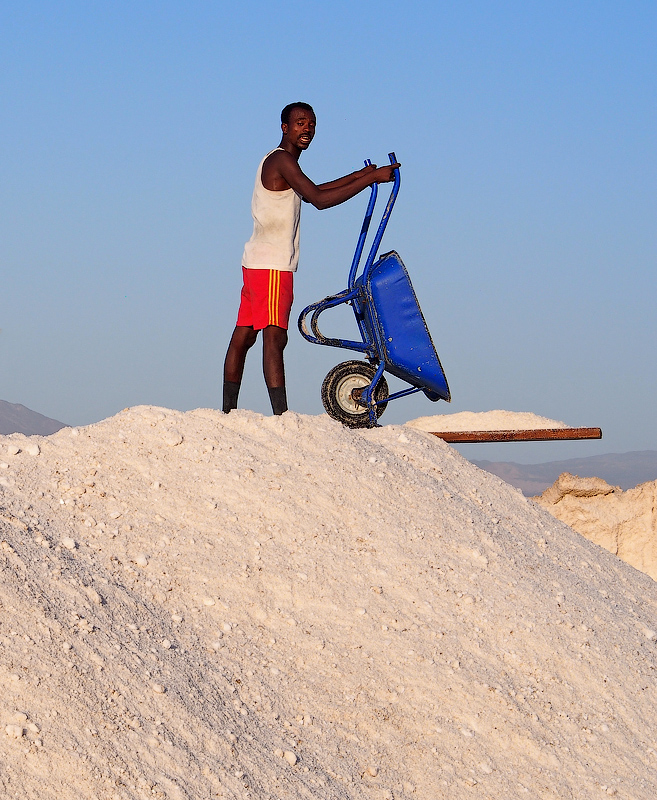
{"x":393,"y":160}
{"x":386,"y":216}
{"x":363,"y":231}
{"x":368,"y":219}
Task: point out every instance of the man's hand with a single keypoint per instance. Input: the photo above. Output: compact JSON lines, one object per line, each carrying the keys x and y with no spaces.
{"x":385,"y":174}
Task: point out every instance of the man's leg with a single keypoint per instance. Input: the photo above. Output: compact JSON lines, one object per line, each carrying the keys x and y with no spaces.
{"x":274,"y":340}
{"x":241,"y":341}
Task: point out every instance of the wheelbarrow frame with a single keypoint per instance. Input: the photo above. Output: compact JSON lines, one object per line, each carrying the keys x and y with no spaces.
{"x":373,"y":344}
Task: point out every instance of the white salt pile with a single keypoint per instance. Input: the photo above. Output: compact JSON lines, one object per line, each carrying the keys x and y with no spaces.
{"x":484,"y":421}
{"x":198,"y":606}
{"x":623,"y":522}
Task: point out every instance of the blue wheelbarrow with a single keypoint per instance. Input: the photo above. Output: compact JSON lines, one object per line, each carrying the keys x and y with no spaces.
{"x":395,"y":337}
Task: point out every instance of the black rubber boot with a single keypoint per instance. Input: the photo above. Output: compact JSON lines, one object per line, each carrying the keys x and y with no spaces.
{"x":278,"y":399}
{"x":231,"y":392}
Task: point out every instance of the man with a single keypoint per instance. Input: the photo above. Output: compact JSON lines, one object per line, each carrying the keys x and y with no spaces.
{"x":272,"y":253}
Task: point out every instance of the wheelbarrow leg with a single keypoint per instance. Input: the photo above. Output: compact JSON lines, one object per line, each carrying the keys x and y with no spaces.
{"x":368,"y":396}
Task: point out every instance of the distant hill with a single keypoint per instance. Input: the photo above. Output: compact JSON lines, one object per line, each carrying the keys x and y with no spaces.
{"x":15,"y":418}
{"x":619,"y":469}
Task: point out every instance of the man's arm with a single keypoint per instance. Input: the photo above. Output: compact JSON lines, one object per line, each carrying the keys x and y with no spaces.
{"x":329,"y":194}
{"x":347,"y":178}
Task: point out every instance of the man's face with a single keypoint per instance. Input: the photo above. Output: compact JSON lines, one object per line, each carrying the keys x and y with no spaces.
{"x":300,"y":130}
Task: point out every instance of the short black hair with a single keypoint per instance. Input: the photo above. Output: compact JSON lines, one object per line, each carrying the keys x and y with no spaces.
{"x":285,"y":113}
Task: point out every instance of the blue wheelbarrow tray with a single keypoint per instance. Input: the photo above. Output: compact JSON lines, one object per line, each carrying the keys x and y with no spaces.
{"x":394,"y":322}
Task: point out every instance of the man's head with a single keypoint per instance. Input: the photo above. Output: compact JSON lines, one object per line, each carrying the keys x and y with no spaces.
{"x":298,"y":124}
{"x":285,"y":113}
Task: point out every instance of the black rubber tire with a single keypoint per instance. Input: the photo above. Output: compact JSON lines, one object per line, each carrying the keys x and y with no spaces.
{"x":337,"y":388}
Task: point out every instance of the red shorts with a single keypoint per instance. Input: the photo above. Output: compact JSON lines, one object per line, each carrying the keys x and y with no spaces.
{"x":266,"y":298}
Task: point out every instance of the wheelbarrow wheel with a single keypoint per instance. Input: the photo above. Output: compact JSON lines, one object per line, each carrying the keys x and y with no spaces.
{"x":342,"y":387}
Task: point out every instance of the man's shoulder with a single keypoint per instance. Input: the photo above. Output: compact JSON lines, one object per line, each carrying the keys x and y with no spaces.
{"x":278,"y":156}
{"x":279,"y":170}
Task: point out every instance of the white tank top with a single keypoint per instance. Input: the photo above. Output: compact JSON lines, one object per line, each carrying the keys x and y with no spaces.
{"x":275,"y":240}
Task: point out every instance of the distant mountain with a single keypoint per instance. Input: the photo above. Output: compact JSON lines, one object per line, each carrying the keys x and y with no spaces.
{"x":619,"y":469}
{"x":15,"y":418}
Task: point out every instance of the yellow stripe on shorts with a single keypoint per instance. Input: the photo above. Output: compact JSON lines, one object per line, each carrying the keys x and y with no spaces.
{"x":274,"y":295}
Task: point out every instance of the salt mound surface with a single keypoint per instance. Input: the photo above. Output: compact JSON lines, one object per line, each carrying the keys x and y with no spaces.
{"x":198,"y":605}
{"x":484,"y":421}
{"x":625,"y":523}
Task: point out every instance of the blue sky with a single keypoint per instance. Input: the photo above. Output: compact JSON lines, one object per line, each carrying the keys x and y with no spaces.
{"x":129,"y":138}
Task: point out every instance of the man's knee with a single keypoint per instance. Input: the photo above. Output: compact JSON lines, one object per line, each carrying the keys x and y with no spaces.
{"x":243,"y":337}
{"x":275,"y":337}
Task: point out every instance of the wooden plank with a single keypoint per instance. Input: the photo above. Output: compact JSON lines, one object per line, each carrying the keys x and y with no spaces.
{"x":532,"y":435}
